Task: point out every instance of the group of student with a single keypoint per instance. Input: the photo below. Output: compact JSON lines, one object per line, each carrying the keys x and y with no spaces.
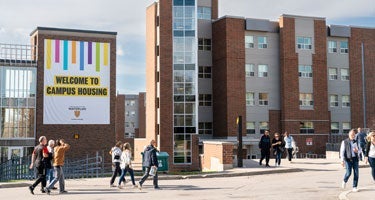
{"x":357,"y":147}
{"x":279,"y":144}
{"x":122,"y":163}
{"x":48,"y":161}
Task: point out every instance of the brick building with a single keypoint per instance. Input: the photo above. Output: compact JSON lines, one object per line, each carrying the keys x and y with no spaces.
{"x":297,"y":74}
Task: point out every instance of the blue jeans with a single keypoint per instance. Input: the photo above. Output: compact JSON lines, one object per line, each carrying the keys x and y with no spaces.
{"x":59,"y":176}
{"x":352,"y":164}
{"x":49,"y":175}
{"x":372,"y":165}
{"x":123,"y":173}
{"x":278,"y":157}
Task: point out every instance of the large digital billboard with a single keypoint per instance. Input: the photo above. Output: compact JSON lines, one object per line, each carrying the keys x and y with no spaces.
{"x":76,"y":82}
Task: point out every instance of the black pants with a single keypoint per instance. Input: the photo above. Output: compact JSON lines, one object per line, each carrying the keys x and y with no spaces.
{"x":290,"y":153}
{"x":115,"y":172}
{"x":41,"y":177}
{"x":145,"y":176}
{"x":265,"y":153}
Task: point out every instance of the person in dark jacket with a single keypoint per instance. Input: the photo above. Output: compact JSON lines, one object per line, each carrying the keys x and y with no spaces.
{"x":361,"y":139}
{"x":265,"y":146}
{"x":39,"y":155}
{"x":150,"y":160}
{"x":349,"y":159}
{"x":278,"y":148}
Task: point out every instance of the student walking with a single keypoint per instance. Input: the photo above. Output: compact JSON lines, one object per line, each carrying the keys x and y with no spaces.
{"x":370,"y":153}
{"x":265,"y":146}
{"x":278,"y":148}
{"x":289,"y":141}
{"x":349,"y":158}
{"x":58,"y":164}
{"x":49,"y":161}
{"x":116,"y":156}
{"x":361,"y":139}
{"x":150,"y":160}
{"x":126,"y":164}
{"x":40,"y":152}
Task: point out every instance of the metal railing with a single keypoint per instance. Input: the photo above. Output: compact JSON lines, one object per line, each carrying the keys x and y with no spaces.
{"x":89,"y":167}
{"x":16,"y":54}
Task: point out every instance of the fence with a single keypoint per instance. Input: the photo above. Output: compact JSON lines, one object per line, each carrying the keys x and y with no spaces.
{"x":18,"y":168}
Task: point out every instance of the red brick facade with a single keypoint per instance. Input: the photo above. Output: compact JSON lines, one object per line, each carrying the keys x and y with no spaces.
{"x":229,"y":89}
{"x":359,"y":36}
{"x":92,"y":138}
{"x":141,"y":132}
{"x":120,"y":117}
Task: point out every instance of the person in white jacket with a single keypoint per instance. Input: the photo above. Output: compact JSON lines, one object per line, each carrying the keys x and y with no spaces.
{"x":126,"y":164}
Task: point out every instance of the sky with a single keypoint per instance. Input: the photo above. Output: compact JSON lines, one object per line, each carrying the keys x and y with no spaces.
{"x":18,"y":18}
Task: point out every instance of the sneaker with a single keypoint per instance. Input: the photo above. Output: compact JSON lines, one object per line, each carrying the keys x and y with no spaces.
{"x":355,"y":189}
{"x":139,"y":186}
{"x":42,"y":190}
{"x":157,"y":188}
{"x":31,"y":190}
{"x":260,"y":163}
{"x":343,"y":185}
{"x":119,"y":187}
{"x":46,"y":190}
{"x":63,"y":192}
{"x":54,"y":188}
{"x":267,"y":165}
{"x":112,"y":185}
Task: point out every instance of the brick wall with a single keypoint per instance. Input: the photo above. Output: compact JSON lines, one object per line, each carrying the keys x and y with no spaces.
{"x":359,"y":36}
{"x":120,"y":117}
{"x":92,"y":138}
{"x":141,"y":133}
{"x":229,"y":90}
{"x":214,"y":9}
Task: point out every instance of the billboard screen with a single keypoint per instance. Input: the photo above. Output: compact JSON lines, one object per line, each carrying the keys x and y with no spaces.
{"x":76,"y":82}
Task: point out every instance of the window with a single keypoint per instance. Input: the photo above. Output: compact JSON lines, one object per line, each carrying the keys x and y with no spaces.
{"x":344,"y":74}
{"x":249,"y":70}
{"x":345,"y":101}
{"x":334,"y":100}
{"x":304,"y":43}
{"x":306,"y":99}
{"x":129,"y":135}
{"x":250,"y":127}
{"x":344,"y":47}
{"x":132,"y":102}
{"x":204,"y":13}
{"x":132,"y":124}
{"x":132,"y":113}
{"x":127,"y":124}
{"x":262,"y":70}
{"x":263,"y":99}
{"x":306,"y":127}
{"x":335,"y":127}
{"x":304,"y":71}
{"x":204,"y":72}
{"x":205,"y":99}
{"x":262,"y":42}
{"x":250,"y":99}
{"x":204,"y":44}
{"x":205,"y":128}
{"x":263,"y":126}
{"x":332,"y":46}
{"x":127,"y":103}
{"x":249,"y":41}
{"x":127,"y":113}
{"x":346,"y":127}
{"x":332,"y":73}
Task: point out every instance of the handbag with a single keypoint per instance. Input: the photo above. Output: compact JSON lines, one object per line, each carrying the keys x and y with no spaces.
{"x":153,"y":171}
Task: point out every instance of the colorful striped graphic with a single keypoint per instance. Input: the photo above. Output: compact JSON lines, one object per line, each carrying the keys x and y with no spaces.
{"x":90,"y":53}
{"x":65,"y":57}
{"x":57,"y":51}
{"x":81,"y":56}
{"x":105,"y":59}
{"x":49,"y":54}
{"x":76,"y":54}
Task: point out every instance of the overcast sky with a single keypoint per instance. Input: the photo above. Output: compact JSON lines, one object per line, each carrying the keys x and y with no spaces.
{"x":127,"y":17}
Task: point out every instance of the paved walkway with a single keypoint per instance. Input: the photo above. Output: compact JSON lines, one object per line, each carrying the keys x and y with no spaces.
{"x":305,"y":167}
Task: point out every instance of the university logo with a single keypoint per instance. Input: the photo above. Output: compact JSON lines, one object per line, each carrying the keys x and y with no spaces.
{"x":77,"y":113}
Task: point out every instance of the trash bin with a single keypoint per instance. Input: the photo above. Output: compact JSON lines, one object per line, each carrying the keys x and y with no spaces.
{"x":163,"y":161}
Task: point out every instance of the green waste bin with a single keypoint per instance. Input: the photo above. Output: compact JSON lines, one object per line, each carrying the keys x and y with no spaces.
{"x":163,"y":161}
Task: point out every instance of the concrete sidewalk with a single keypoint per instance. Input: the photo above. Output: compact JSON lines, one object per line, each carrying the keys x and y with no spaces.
{"x":251,"y":168}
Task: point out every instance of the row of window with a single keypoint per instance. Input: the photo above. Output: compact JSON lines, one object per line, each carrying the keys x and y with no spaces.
{"x":129,"y":135}
{"x":332,"y":47}
{"x":302,"y":43}
{"x":129,"y":102}
{"x":130,"y":124}
{"x":304,"y":71}
{"x":305,"y":99}
{"x":205,"y":128}
{"x":335,"y":127}
{"x":131,"y":113}
{"x":334,"y":100}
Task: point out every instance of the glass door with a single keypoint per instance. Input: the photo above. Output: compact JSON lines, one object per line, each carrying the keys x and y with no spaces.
{"x":15,"y":153}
